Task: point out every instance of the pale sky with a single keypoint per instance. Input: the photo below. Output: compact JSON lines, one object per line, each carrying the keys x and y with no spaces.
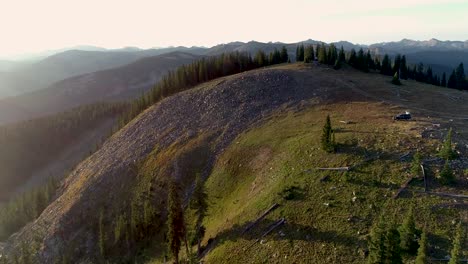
{"x":37,"y":25}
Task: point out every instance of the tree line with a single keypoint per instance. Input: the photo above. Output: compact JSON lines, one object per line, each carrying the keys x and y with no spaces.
{"x":206,"y":69}
{"x":365,"y":62}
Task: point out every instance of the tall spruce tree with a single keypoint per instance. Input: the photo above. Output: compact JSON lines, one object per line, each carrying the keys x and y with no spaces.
{"x":460,"y":77}
{"x":409,"y":234}
{"x":284,"y":54}
{"x":386,"y":68}
{"x":309,"y":55}
{"x":175,"y":220}
{"x":392,"y":247}
{"x":452,"y":81}
{"x":447,"y":152}
{"x":327,"y":141}
{"x":377,"y":247}
{"x":342,"y":56}
{"x":352,"y":58}
{"x":397,"y":64}
{"x":403,"y":68}
{"x":421,"y":258}
{"x":300,"y":53}
{"x":322,"y":54}
{"x":446,"y":174}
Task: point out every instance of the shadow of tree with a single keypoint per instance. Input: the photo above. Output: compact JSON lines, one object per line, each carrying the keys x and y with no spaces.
{"x":288,"y":231}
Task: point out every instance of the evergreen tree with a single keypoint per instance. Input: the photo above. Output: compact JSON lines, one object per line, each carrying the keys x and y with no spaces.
{"x":397,"y":64}
{"x":403,"y":68}
{"x":332,"y":54}
{"x":352,"y":58}
{"x":392,"y":247}
{"x":452,"y":81}
{"x":386,"y":68}
{"x":300,"y":53}
{"x":409,"y":234}
{"x":377,"y":64}
{"x":460,"y":77}
{"x":309,"y":55}
{"x":422,"y":250}
{"x":447,"y":152}
{"x":199,"y":204}
{"x":342,"y":56}
{"x":443,"y":82}
{"x":322,"y":54}
{"x":429,"y":76}
{"x":175,"y":220}
{"x":446,"y":174}
{"x":284,"y":54}
{"x":261,"y":59}
{"x":361,"y":61}
{"x":327,"y":136}
{"x":456,"y":252}
{"x":377,"y":247}
{"x":420,"y":76}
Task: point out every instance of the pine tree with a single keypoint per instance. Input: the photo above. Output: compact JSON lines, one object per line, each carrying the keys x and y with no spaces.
{"x":352,"y":58}
{"x":422,"y":250}
{"x":392,"y":247}
{"x":403,"y":68}
{"x":327,"y":133}
{"x":456,"y":252}
{"x":284,"y":54}
{"x":175,"y":221}
{"x":322,"y":54}
{"x":199,"y":204}
{"x":377,"y":249}
{"x":443,"y":82}
{"x":342,"y":56}
{"x":309,"y":55}
{"x":300,"y":53}
{"x":452,"y":81}
{"x":370,"y":62}
{"x":447,"y":152}
{"x":409,"y":234}
{"x":460,"y":77}
{"x":446,"y":174}
{"x":396,"y":64}
{"x":386,"y":68}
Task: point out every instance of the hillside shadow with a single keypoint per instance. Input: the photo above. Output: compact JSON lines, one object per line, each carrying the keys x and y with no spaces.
{"x":287,"y":231}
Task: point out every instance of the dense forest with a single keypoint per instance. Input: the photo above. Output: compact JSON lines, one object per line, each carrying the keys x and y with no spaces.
{"x":364,"y":61}
{"x":30,"y":145}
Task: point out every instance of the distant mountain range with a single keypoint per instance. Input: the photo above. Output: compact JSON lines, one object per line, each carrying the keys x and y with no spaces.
{"x":117,"y":84}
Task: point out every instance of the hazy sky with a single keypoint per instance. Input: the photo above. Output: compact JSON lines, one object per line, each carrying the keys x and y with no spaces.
{"x":30,"y":25}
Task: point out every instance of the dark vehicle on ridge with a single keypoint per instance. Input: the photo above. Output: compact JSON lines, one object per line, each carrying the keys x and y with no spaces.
{"x":404,"y":116}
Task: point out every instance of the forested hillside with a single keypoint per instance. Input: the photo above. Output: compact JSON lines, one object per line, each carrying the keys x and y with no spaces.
{"x":29,"y":146}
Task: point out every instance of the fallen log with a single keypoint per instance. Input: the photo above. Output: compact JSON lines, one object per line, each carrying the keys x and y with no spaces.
{"x":273,"y":227}
{"x":336,"y":169}
{"x":260,"y":218}
{"x":402,"y":188}
{"x":451,"y":195}
{"x":404,"y":155}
